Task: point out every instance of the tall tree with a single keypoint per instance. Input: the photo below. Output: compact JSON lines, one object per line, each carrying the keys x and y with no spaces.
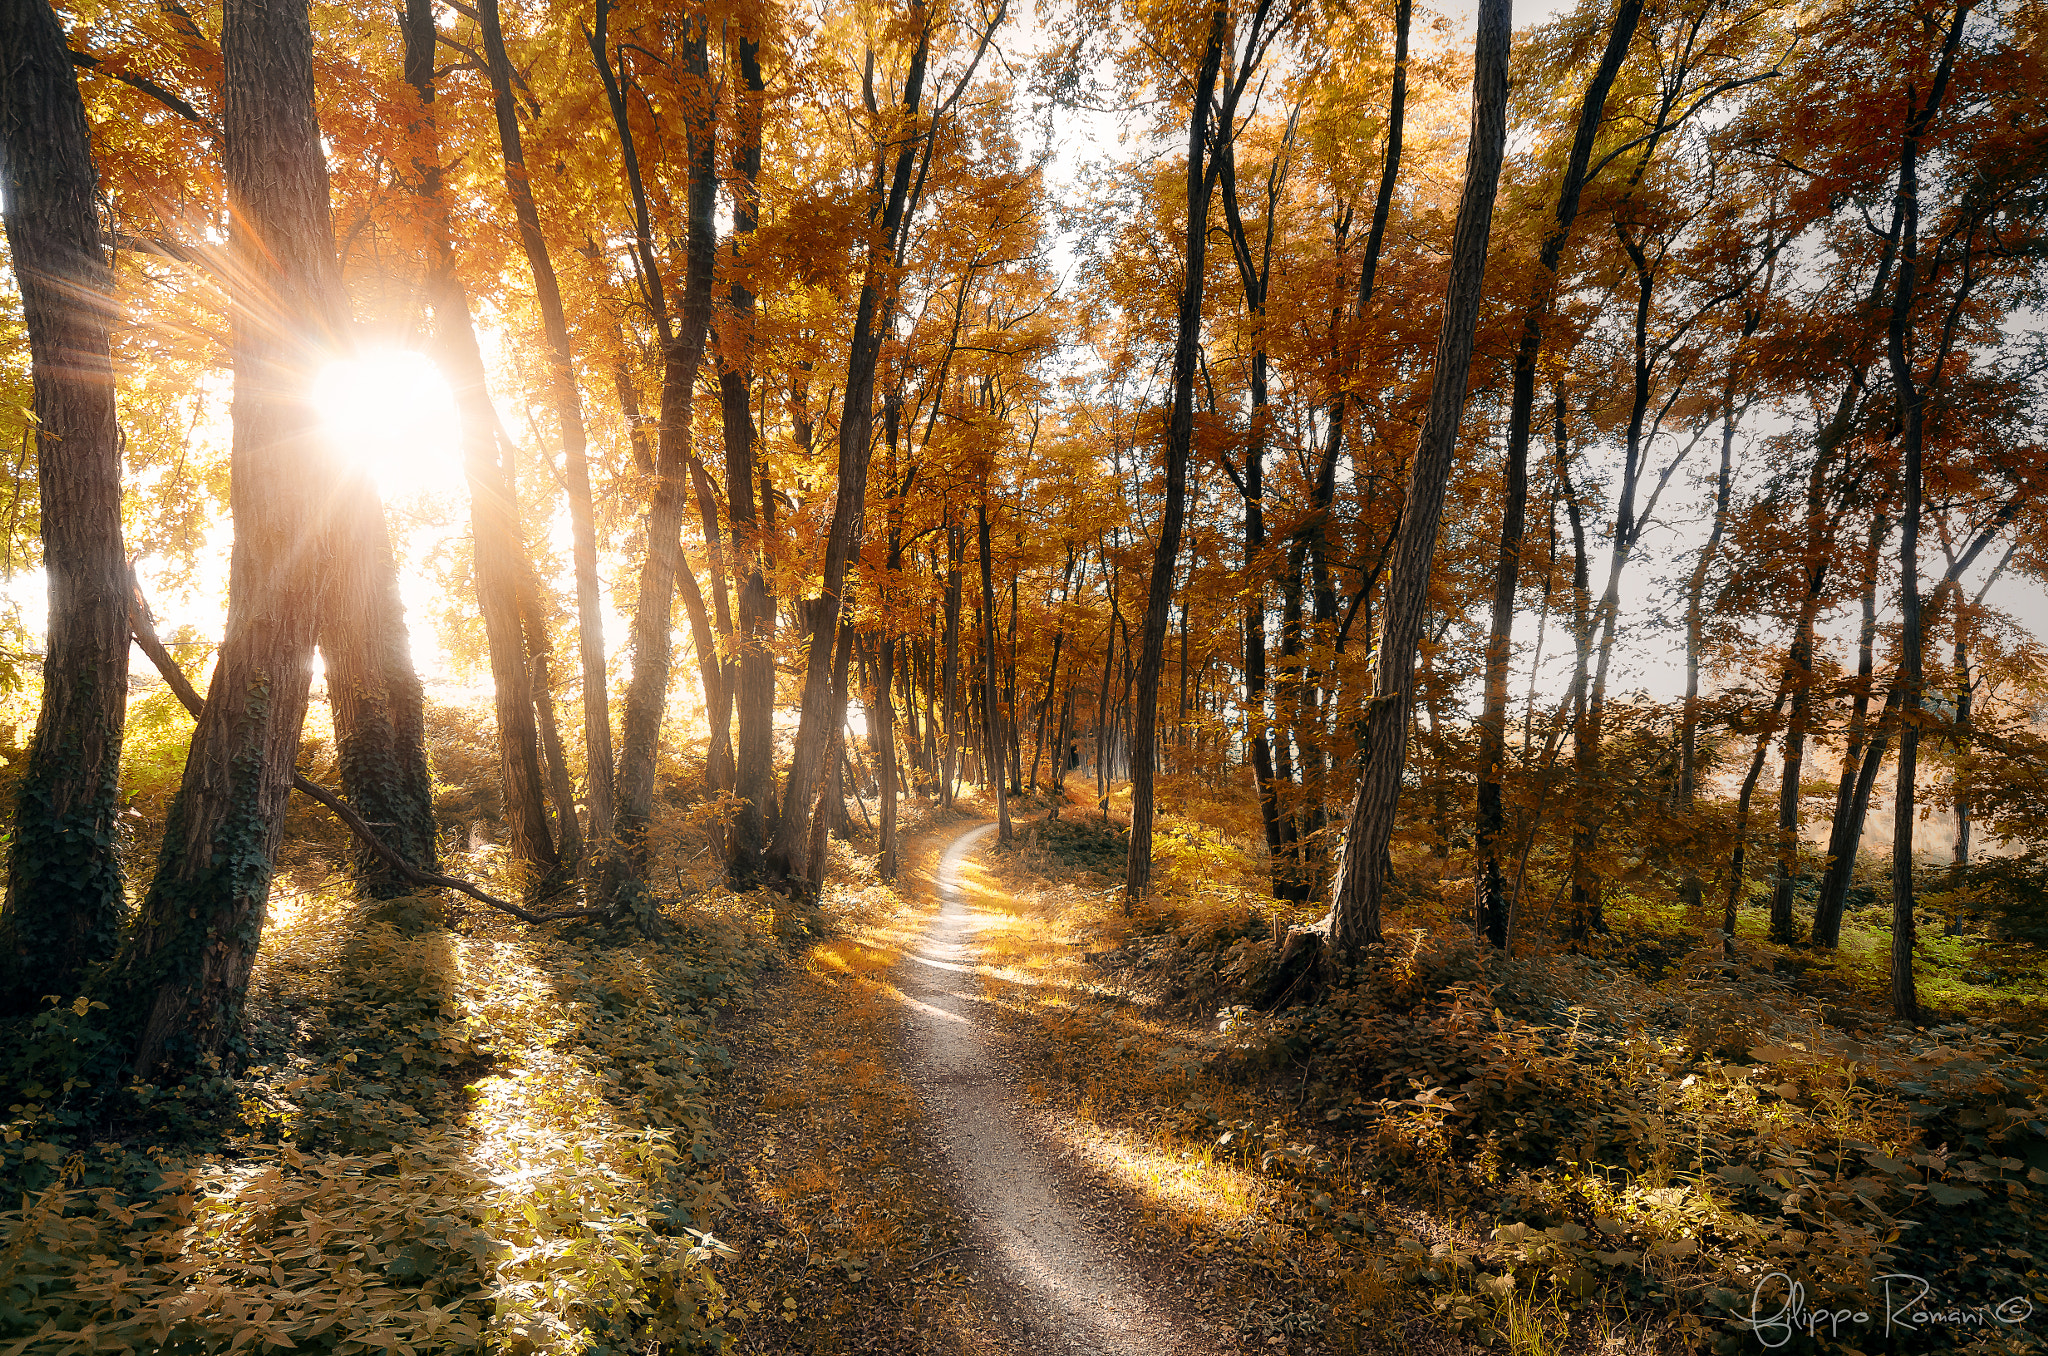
{"x":183,"y":972}
{"x":568,"y":409}
{"x":64,"y":902}
{"x":1207,"y":145}
{"x":1361,"y":878}
{"x":682,"y":356}
{"x":1490,"y":911}
{"x":493,"y":503}
{"x":1910,"y":402}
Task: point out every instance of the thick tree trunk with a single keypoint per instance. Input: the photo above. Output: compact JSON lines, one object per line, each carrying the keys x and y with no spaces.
{"x":64,"y":904}
{"x":1490,"y":913}
{"x":568,"y":403}
{"x":1180,"y":435}
{"x":1361,"y":877}
{"x":376,"y":698}
{"x":186,"y":966}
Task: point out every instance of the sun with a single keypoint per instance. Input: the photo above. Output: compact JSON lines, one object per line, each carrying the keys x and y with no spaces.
{"x":390,"y":412}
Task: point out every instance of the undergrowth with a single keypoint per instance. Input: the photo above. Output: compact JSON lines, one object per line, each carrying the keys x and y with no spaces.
{"x":475,"y":1138}
{"x":1546,"y":1153}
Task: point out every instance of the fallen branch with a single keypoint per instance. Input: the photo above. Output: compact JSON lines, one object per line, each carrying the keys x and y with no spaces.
{"x":145,"y":637}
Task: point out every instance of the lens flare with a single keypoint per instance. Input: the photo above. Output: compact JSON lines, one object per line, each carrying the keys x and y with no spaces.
{"x":390,"y":412}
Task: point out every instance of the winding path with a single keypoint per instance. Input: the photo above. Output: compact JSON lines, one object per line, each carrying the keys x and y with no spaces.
{"x":1056,"y":1277}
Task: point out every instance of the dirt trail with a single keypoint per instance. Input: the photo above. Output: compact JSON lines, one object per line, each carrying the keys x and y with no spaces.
{"x":1051,"y":1264}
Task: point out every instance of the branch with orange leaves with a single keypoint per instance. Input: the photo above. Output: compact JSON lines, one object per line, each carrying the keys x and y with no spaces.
{"x":145,"y":636}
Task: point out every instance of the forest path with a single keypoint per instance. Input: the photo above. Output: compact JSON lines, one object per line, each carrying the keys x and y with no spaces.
{"x":1052,"y":1265}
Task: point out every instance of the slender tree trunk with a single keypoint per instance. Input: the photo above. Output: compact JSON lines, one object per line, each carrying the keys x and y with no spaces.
{"x":1846,"y":830}
{"x":753,"y":687}
{"x":568,"y":403}
{"x":856,"y":442}
{"x":376,"y":698}
{"x":540,"y":652}
{"x":992,"y":716}
{"x":1911,"y":410}
{"x":1490,"y":906}
{"x":885,"y":713}
{"x":185,"y":968}
{"x":64,"y":904}
{"x":1355,"y":912}
{"x":1180,"y":435}
{"x":1799,"y":676}
{"x":674,"y":469}
{"x":1737,"y":861}
{"x":1690,"y":889}
{"x":493,"y":503}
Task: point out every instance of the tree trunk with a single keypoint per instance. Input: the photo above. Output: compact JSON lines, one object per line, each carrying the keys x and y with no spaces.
{"x":992,"y":715}
{"x":1490,"y":914}
{"x":1361,"y":881}
{"x":951,"y":680}
{"x":493,"y":503}
{"x":1690,"y":889}
{"x":186,"y":966}
{"x":376,"y":698}
{"x":1737,"y":859}
{"x":1911,"y":411}
{"x":540,"y":652}
{"x":1846,"y":831}
{"x":1180,"y":436}
{"x":64,"y":905}
{"x":675,"y":469}
{"x":753,"y":686}
{"x":568,"y":403}
{"x":856,"y":445}
{"x":1799,"y":677}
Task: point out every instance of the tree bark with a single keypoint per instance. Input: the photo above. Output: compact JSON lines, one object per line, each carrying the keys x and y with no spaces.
{"x":1691,"y":889}
{"x":1361,"y":877}
{"x":992,"y":715}
{"x":675,"y":468}
{"x":1846,"y":828}
{"x":1737,"y":859}
{"x":568,"y":403}
{"x":856,"y":446}
{"x":1490,"y":912}
{"x":951,"y":679}
{"x":753,"y":686}
{"x":64,"y":905}
{"x":1911,"y":408}
{"x":1180,"y":437}
{"x":185,"y":968}
{"x":374,"y":693}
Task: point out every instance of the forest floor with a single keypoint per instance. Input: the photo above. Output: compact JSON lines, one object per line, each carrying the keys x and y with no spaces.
{"x":991,"y":1113}
{"x":986,"y":1111}
{"x":923,"y":1155}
